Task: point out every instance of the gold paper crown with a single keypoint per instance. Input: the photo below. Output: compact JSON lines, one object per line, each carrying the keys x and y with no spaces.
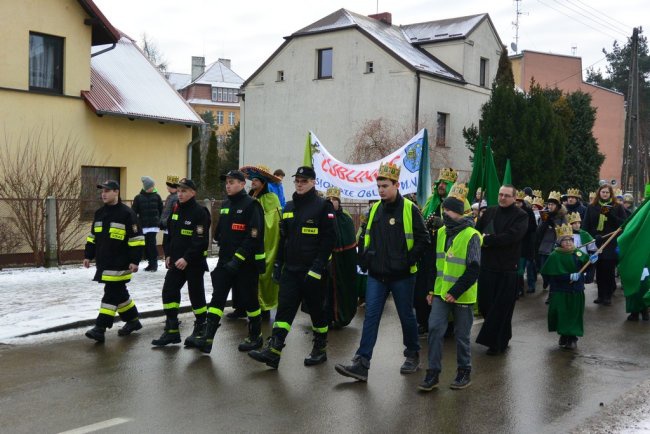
{"x":563,"y":230}
{"x":333,"y":192}
{"x":528,"y":200}
{"x":555,"y":195}
{"x":459,"y":191}
{"x":448,"y":174}
{"x":172,"y":179}
{"x":521,"y":195}
{"x":389,"y":171}
{"x":573,"y":217}
{"x":539,"y":202}
{"x":537,"y":193}
{"x":592,"y":195}
{"x":574,"y":192}
{"x":618,"y":192}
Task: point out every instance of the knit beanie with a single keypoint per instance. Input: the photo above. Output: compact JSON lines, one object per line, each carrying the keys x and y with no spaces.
{"x":453,"y":204}
{"x":147,"y":182}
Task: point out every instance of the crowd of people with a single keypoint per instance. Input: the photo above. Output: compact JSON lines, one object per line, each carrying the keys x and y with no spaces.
{"x":444,"y":262}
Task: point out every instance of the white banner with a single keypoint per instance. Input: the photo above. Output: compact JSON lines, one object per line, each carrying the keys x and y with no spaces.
{"x":359,"y":181}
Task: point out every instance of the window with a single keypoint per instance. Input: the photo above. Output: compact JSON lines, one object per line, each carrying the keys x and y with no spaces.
{"x":231,"y":95}
{"x":45,"y":63}
{"x":280,"y":76}
{"x":483,"y":79}
{"x":325,"y":63}
{"x":219,"y":94}
{"x":231,"y":118}
{"x":441,"y":130}
{"x":219,"y":118}
{"x":370,"y":67}
{"x":90,"y":177}
{"x":214,"y":94}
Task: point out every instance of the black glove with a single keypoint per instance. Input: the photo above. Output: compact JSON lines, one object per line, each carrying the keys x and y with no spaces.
{"x":433,"y":222}
{"x":232,"y":266}
{"x":277,"y":272}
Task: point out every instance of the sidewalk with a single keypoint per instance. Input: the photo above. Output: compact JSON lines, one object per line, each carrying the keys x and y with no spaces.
{"x":37,"y":299}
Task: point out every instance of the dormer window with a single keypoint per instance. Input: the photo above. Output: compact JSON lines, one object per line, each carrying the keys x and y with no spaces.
{"x":280,"y":76}
{"x":370,"y":67}
{"x":45,"y":63}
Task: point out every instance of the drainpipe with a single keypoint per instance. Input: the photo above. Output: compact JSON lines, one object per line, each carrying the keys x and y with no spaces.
{"x":104,"y":50}
{"x":417,"y":102}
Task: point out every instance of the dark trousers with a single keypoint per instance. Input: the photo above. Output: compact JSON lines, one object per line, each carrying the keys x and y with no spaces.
{"x":497,"y":293}
{"x":150,"y":248}
{"x":243,"y":283}
{"x":164,"y":242}
{"x":294,"y":288}
{"x":606,"y":278}
{"x":171,"y":292}
{"x":116,"y":300}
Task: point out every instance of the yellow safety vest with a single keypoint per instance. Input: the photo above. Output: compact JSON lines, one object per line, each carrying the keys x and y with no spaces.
{"x":451,"y":265}
{"x":407,"y":218}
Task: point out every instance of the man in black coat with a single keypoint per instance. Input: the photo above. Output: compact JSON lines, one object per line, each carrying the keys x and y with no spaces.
{"x":148,"y":207}
{"x":503,"y":228}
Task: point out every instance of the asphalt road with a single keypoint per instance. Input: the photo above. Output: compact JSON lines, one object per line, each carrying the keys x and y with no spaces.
{"x":125,"y":385}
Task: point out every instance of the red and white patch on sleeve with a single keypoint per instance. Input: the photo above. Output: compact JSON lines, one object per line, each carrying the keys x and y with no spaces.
{"x":330,"y":215}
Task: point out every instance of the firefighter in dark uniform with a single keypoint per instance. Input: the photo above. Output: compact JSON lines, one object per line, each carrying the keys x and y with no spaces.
{"x":307,"y":238}
{"x":187,"y":248}
{"x":116,"y":243}
{"x":240,"y":234}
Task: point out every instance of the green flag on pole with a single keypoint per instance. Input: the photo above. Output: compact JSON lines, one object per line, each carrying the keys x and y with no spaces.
{"x":307,"y":154}
{"x":491,"y":182}
{"x":507,"y":175}
{"x":476,"y":178}
{"x":634,"y":247}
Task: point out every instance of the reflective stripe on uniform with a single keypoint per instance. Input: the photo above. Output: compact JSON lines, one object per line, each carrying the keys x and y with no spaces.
{"x":260,"y":256}
{"x":105,"y":311}
{"x":123,"y":307}
{"x":136,"y":241}
{"x":187,"y":232}
{"x":255,"y":313}
{"x":287,"y":215}
{"x":91,"y":238}
{"x":282,"y":325}
{"x":215,"y":311}
{"x":115,"y":275}
{"x":314,"y":274}
{"x":224,"y":211}
{"x":172,"y":305}
{"x":240,"y":256}
{"x":451,"y":265}
{"x":320,"y":329}
{"x":310,"y":231}
{"x":174,"y":216}
{"x":200,"y":310}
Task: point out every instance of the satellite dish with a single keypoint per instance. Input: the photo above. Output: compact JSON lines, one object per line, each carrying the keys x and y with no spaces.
{"x":613,"y":182}
{"x":513,"y":46}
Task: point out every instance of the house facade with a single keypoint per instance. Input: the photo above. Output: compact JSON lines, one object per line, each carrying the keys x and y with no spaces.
{"x":67,"y":72}
{"x":565,"y":73}
{"x":346,"y":69}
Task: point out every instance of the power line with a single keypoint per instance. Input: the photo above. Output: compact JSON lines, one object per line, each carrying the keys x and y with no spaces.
{"x":597,"y":20}
{"x":579,"y":72}
{"x":575,"y":19}
{"x":564,"y":5}
{"x":627,"y":27}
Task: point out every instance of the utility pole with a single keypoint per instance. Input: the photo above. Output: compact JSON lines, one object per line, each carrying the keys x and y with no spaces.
{"x":634,"y":155}
{"x":515,"y":23}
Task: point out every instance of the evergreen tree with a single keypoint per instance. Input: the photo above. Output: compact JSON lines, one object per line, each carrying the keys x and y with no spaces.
{"x":231,"y":154}
{"x":211,"y":178}
{"x":504,"y":77}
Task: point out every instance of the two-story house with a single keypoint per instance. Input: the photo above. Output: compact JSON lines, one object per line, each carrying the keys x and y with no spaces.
{"x":346,"y":69}
{"x":67,"y":72}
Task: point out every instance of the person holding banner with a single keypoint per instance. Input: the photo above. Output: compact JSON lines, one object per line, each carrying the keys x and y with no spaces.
{"x":394,"y":241}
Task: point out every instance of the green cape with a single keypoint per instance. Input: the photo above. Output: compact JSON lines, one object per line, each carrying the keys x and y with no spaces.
{"x":341,"y":286}
{"x":561,"y":262}
{"x":434,"y":201}
{"x":268,"y":290}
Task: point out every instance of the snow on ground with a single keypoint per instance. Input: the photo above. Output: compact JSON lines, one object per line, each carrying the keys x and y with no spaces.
{"x":36,"y":299}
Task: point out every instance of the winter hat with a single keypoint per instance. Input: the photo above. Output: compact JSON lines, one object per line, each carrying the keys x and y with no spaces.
{"x":147,"y":182}
{"x":455,"y":205}
{"x":528,"y":191}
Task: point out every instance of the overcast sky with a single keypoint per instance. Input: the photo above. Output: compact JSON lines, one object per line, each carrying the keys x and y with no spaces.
{"x":249,"y":31}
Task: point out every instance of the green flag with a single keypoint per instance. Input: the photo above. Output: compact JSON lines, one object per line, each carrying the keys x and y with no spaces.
{"x":307,"y":154}
{"x":476,"y":179}
{"x":491,"y":182}
{"x":634,"y":248}
{"x":507,"y":175}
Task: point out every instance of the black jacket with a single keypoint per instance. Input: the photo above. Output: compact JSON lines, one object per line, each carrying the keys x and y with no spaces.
{"x":115,"y":239}
{"x":545,"y":236}
{"x":387,"y":257}
{"x":307,"y":233}
{"x":240,"y":229}
{"x":528,"y":244}
{"x":148,"y":207}
{"x":504,"y":229}
{"x":188,"y":237}
{"x":578,"y":207}
{"x":615,"y":218}
{"x":171,"y":200}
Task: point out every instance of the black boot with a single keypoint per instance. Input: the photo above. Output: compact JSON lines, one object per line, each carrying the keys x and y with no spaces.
{"x":318,"y":354}
{"x":634,"y":316}
{"x":271,"y":353}
{"x":254,"y":339}
{"x":199,"y":329}
{"x":96,"y":333}
{"x":171,"y":334}
{"x":204,"y":342}
{"x":237,"y":313}
{"x":129,"y":327}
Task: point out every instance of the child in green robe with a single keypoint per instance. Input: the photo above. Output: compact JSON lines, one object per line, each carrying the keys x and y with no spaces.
{"x":567,"y":285}
{"x":583,"y":241}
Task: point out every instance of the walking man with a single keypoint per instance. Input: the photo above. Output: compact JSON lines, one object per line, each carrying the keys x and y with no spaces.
{"x":148,"y":207}
{"x":394,"y":241}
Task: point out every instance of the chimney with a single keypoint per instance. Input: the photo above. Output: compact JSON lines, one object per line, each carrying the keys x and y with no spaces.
{"x":384,"y":17}
{"x":225,"y":62}
{"x":198,"y":66}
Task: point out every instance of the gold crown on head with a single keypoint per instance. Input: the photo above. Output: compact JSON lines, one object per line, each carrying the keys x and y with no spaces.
{"x":555,"y":195}
{"x":618,"y":192}
{"x":573,"y":192}
{"x":539,"y":202}
{"x":334,"y":192}
{"x":459,"y":191}
{"x":528,"y":200}
{"x":563,"y":230}
{"x":448,"y":174}
{"x":521,"y":195}
{"x":573,"y":217}
{"x":592,"y":195}
{"x":172,"y":179}
{"x":389,"y":171}
{"x":537,"y":193}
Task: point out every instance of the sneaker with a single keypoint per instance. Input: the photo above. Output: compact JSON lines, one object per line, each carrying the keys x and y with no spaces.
{"x":96,"y":333}
{"x":357,"y":370}
{"x":410,"y":365}
{"x":430,"y":381}
{"x":129,"y":327}
{"x":463,"y":379}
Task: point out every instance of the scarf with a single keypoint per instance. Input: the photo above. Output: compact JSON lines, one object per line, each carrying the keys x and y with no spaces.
{"x":602,"y":218}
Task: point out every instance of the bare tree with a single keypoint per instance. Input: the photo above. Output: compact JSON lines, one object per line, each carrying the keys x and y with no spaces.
{"x":33,"y":167}
{"x":153,"y":53}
